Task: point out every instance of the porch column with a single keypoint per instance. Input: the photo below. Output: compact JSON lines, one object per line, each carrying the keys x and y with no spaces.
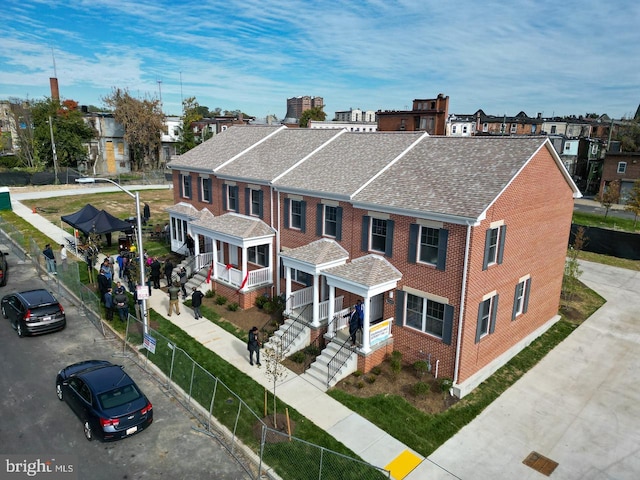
{"x":196,"y":249}
{"x":245,"y":267}
{"x":366,"y":348}
{"x":287,"y":288}
{"x":214,"y":272}
{"x":332,"y":312}
{"x":273,"y":263}
{"x":316,"y":300}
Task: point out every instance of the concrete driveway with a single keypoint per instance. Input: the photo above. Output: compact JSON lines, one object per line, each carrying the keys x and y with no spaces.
{"x":580,"y":406}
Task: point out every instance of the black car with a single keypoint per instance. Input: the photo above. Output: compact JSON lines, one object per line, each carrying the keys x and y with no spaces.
{"x":33,"y":312}
{"x":106,"y":400}
{"x":4,"y":268}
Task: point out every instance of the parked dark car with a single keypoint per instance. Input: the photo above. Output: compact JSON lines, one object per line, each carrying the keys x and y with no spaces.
{"x":106,"y":400}
{"x":4,"y":268}
{"x":33,"y":312}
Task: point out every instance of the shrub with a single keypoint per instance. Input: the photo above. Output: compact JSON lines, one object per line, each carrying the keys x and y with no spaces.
{"x":421,"y":389}
{"x":221,"y":300}
{"x":396,"y":362}
{"x":357,"y":373}
{"x":360,"y":385}
{"x":233,"y":306}
{"x":268,"y":307}
{"x":298,"y":357}
{"x":312,"y":350}
{"x":370,"y":378}
{"x":421,"y":367}
{"x":376,"y":370}
{"x":210,"y":294}
{"x":445,"y":384}
{"x":261,"y":300}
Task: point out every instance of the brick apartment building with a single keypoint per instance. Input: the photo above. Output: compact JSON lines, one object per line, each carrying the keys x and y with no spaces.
{"x":455,"y":245}
{"x":427,"y":115}
{"x":623,"y":166}
{"x":297,"y":105}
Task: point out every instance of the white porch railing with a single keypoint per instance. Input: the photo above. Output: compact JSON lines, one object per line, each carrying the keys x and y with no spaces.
{"x":300,"y":298}
{"x":341,"y":319}
{"x":324,"y":307}
{"x":233,"y":276}
{"x":204,"y":260}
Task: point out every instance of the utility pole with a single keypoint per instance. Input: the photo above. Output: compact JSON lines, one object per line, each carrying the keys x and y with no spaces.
{"x":55,"y":155}
{"x":160,"y":92}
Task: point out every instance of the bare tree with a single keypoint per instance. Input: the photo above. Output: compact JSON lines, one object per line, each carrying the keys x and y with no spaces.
{"x":143,"y":122}
{"x":572,"y":270}
{"x":273,"y":356}
{"x":609,"y":195}
{"x":633,"y":202}
{"x":21,"y":122}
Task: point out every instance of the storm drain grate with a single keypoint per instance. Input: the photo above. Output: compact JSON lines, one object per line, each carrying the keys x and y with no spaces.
{"x":542,"y":464}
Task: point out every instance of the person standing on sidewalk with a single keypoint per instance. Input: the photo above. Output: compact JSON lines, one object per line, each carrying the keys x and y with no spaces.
{"x":122,"y":302}
{"x":155,"y":269}
{"x":63,"y":257}
{"x":174,"y":296}
{"x":253,"y":345}
{"x":196,"y":302}
{"x":183,"y":281}
{"x":168,"y":271}
{"x":50,"y":258}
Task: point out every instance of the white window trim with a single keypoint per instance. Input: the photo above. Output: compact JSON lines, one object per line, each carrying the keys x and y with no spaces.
{"x":622,"y":167}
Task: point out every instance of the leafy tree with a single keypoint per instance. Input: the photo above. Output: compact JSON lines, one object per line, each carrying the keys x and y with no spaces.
{"x":22,"y":121}
{"x":633,"y":202}
{"x":202,"y":111}
{"x":70,"y":132}
{"x":143,"y":122}
{"x":315,"y":113}
{"x":190,"y":113}
{"x":610,"y":194}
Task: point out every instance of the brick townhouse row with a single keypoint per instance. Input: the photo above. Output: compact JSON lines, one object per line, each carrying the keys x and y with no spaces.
{"x":455,"y":245}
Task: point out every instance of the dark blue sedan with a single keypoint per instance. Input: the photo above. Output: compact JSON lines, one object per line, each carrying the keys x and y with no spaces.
{"x":107,"y":401}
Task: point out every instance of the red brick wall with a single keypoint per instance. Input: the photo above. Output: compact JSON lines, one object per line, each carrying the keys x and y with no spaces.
{"x":537,"y":209}
{"x":610,"y":168}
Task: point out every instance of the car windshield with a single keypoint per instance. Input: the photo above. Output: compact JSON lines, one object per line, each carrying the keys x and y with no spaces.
{"x":119,"y":396}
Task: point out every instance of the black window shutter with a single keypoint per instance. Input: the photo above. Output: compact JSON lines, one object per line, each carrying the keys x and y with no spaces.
{"x":199,"y":182}
{"x":501,"y":238}
{"x":190,"y":187}
{"x":247,"y":201}
{"x":287,"y":213}
{"x":319,"y":219}
{"x":388,"y":248}
{"x":260,"y":203}
{"x":210,"y":185}
{"x":303,"y":216}
{"x":366,"y":222}
{"x":414,"y":232}
{"x":400,"y":296}
{"x":225,"y":193}
{"x":527,"y":290}
{"x":447,"y":326}
{"x":494,"y":312}
{"x":479,"y":325}
{"x":487,"y":240}
{"x":338,"y":224}
{"x":236,"y":189}
{"x":515,"y":303}
{"x":443,"y":238}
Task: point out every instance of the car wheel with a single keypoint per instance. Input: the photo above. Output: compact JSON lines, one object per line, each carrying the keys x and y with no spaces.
{"x":59,"y":391}
{"x":87,"y":430}
{"x":19,"y":329}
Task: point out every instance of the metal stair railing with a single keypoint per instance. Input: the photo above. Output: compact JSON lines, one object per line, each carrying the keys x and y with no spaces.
{"x":337,"y":361}
{"x":290,"y":334}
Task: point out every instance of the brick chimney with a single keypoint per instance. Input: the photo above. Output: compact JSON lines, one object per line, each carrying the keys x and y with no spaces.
{"x":55,"y":92}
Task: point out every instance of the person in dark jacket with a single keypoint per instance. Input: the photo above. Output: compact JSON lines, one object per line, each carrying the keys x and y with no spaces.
{"x":50,"y":258}
{"x":103,"y":285}
{"x":196,"y":302}
{"x":183,"y":281}
{"x":253,"y":345}
{"x":122,"y":304}
{"x":191,"y":244}
{"x":108,"y":304}
{"x":168,"y":271}
{"x":155,"y":270}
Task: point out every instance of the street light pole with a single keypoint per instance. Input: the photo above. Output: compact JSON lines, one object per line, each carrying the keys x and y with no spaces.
{"x":143,"y":284}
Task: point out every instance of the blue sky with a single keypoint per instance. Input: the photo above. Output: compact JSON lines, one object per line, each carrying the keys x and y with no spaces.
{"x":557,"y":57}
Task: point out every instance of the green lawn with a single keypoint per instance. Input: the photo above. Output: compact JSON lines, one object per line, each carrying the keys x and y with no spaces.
{"x":614,"y":223}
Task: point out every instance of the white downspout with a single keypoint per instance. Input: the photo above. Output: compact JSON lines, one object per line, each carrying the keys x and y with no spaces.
{"x":463,"y":293}
{"x":276,"y":264}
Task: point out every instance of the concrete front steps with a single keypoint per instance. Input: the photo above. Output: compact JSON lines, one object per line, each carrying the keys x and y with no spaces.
{"x":298,"y":329}
{"x":317,"y":372}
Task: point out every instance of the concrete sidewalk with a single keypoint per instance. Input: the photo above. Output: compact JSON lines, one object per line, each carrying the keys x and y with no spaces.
{"x":366,"y":440}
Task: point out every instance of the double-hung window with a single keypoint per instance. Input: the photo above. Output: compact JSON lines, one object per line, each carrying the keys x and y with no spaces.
{"x":205,"y":190}
{"x":185,"y":186}
{"x":301,"y":277}
{"x":329,"y":221}
{"x":487,"y":311}
{"x":295,"y":212}
{"x":622,"y":167}
{"x":494,"y":245}
{"x":377,"y":235}
{"x":259,"y":255}
{"x":521,"y":297}
{"x":253,"y":202}
{"x":428,"y":315}
{"x":230,"y":198}
{"x":428,"y":244}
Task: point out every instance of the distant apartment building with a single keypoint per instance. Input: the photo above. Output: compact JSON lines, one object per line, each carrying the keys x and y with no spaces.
{"x":427,"y":115}
{"x":355,"y":115}
{"x":297,"y":105}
